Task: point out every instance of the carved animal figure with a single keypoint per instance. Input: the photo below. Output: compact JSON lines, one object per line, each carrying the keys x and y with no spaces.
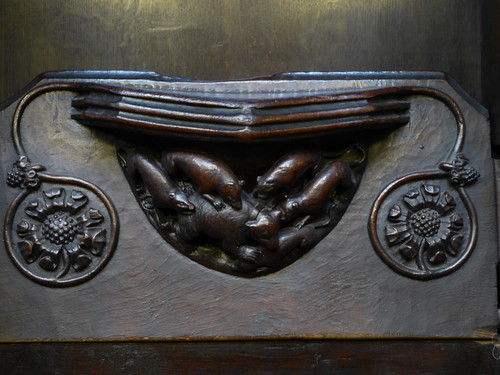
{"x":207,"y":174}
{"x":165,"y":193}
{"x":234,"y":229}
{"x":313,"y":199}
{"x":286,"y":172}
{"x":289,"y":239}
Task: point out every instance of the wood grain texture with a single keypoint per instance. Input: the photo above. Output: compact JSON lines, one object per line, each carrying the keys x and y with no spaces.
{"x":256,"y":358}
{"x":221,"y":39}
{"x":489,"y":67}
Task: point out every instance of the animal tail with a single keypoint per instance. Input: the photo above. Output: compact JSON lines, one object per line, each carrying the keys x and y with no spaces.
{"x":328,"y":220}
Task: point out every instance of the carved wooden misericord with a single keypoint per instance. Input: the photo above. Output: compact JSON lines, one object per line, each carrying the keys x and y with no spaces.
{"x":245,"y":178}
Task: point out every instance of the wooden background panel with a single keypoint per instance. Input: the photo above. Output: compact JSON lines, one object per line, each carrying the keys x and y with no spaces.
{"x":256,"y":358}
{"x":219,"y":39}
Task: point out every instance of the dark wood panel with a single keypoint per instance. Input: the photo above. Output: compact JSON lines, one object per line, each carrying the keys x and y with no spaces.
{"x":265,"y":357}
{"x":219,"y":39}
{"x":490,"y":64}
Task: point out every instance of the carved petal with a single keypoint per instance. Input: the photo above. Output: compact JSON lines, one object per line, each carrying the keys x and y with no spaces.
{"x":81,"y":262}
{"x":447,"y":203}
{"x":408,"y":251}
{"x":98,"y":242}
{"x":86,"y":242}
{"x":54,"y":198}
{"x":48,"y":263}
{"x":412,"y":199}
{"x":456,"y":222}
{"x":53,"y":193}
{"x":412,"y":194}
{"x":76,"y":201}
{"x":395,"y":213}
{"x":22,"y":227}
{"x":439,"y":257}
{"x":26,"y":249}
{"x":395,"y":235}
{"x":455,"y":244}
{"x":431,"y":189}
{"x":95,"y":217}
{"x":35,"y":210}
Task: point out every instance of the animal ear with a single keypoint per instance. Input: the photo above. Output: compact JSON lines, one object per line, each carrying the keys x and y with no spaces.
{"x":259,"y":178}
{"x":171,"y":195}
{"x":229,"y":187}
{"x":251,"y":224}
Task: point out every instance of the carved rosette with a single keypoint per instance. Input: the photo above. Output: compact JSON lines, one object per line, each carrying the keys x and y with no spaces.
{"x":426,"y":229}
{"x":59,"y":231}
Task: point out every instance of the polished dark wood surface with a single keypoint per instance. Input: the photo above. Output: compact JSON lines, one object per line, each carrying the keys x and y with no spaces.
{"x":254,"y":357}
{"x":220,"y":39}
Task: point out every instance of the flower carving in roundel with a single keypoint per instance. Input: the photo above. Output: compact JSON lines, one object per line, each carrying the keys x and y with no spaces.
{"x":61,"y":233}
{"x":426,"y":227}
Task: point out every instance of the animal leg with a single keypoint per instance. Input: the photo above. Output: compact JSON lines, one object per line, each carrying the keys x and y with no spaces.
{"x":217,"y":203}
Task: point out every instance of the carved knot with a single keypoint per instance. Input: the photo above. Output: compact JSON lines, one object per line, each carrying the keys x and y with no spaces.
{"x":460,"y":172}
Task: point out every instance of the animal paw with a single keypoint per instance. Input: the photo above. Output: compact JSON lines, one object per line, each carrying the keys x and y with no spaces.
{"x":217,"y":203}
{"x":243,"y":266}
{"x":249,"y":254}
